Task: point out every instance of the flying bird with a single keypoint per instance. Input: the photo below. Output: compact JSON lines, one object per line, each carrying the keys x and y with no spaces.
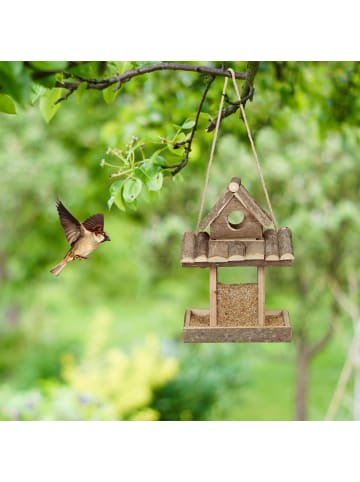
{"x":83,"y":237}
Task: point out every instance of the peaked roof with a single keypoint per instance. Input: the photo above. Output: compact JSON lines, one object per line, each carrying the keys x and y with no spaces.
{"x":237,"y":190}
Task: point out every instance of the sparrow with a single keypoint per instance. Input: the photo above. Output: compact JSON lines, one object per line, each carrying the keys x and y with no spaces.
{"x":83,"y":237}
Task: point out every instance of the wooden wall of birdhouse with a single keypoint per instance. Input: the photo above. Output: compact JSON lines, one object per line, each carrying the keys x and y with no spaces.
{"x":235,"y":222}
{"x":236,"y":201}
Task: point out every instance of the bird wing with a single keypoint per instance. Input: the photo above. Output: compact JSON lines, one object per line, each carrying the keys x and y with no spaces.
{"x":94,"y":223}
{"x":71,"y":225}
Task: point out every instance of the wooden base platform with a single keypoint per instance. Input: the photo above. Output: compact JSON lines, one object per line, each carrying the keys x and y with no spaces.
{"x":197,"y":329}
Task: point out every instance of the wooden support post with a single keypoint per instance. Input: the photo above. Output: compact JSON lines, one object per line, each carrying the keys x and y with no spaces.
{"x":213,"y":286}
{"x":261,"y":294}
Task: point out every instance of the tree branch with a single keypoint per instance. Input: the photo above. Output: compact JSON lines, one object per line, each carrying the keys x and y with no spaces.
{"x":188,"y":142}
{"x":247,"y":93}
{"x":251,"y":71}
{"x":314,"y":348}
{"x":100,"y":84}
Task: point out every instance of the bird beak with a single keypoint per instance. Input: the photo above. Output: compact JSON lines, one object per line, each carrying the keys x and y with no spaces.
{"x":107,"y":237}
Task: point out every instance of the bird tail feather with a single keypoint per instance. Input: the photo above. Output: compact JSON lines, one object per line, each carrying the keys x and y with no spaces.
{"x":58,"y":268}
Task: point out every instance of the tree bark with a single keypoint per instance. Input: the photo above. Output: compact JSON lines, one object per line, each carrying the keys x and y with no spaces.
{"x":305,"y":354}
{"x":302,"y":380}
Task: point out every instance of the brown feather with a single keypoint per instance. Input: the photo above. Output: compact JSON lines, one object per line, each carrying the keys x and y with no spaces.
{"x":95,"y":223}
{"x":70,"y":224}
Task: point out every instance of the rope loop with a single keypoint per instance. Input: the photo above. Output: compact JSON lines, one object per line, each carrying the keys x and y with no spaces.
{"x":212,"y":151}
{"x":261,"y":175}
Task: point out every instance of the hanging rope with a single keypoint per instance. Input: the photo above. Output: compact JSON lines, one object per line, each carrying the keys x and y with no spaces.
{"x":254,"y":151}
{"x":216,"y":131}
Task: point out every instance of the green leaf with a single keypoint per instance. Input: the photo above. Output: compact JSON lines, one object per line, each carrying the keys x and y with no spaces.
{"x":188,"y":124}
{"x":110,"y":201}
{"x":36,"y":92}
{"x":160,"y":161}
{"x":115,"y":186}
{"x":133,"y":206}
{"x":116,"y":195}
{"x":155,"y":183}
{"x":119,"y":200}
{"x":48,"y":108}
{"x":11,"y":69}
{"x":15,"y":81}
{"x":88,"y":69}
{"x":48,"y":82}
{"x":203,"y":121}
{"x":149,"y":167}
{"x":179,"y":152}
{"x":52,"y":66}
{"x":109,"y":94}
{"x":7,"y":105}
{"x":118,"y":67}
{"x":132,"y":189}
{"x":80,"y":91}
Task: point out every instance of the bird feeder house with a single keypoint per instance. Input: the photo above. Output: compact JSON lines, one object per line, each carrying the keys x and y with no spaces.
{"x":237,"y":311}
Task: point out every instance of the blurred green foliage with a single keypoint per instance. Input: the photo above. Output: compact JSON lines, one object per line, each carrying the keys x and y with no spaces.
{"x":103,"y":341}
{"x":106,"y":384}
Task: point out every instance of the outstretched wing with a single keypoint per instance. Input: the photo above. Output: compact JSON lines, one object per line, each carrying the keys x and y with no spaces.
{"x":95,"y":223}
{"x":71,"y":225}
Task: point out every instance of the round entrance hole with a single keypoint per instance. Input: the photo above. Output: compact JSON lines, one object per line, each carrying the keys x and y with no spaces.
{"x":235,"y":218}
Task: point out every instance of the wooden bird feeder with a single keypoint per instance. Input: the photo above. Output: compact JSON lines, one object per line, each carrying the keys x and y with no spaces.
{"x":237,"y":311}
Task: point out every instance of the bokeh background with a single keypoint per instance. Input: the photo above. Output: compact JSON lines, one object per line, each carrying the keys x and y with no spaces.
{"x":103,"y":341}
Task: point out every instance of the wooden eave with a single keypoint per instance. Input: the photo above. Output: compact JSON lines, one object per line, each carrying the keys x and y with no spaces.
{"x":276,"y":249}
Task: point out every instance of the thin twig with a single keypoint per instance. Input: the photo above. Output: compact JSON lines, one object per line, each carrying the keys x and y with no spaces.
{"x":352,"y":309}
{"x":341,"y":384}
{"x":344,"y":301}
{"x":188,"y":142}
{"x":65,"y":96}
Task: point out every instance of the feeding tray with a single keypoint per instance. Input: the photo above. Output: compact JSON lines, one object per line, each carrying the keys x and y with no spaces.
{"x":237,"y":311}
{"x":197,"y":328}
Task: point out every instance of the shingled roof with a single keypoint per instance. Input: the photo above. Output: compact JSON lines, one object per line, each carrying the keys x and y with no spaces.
{"x":276,"y":249}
